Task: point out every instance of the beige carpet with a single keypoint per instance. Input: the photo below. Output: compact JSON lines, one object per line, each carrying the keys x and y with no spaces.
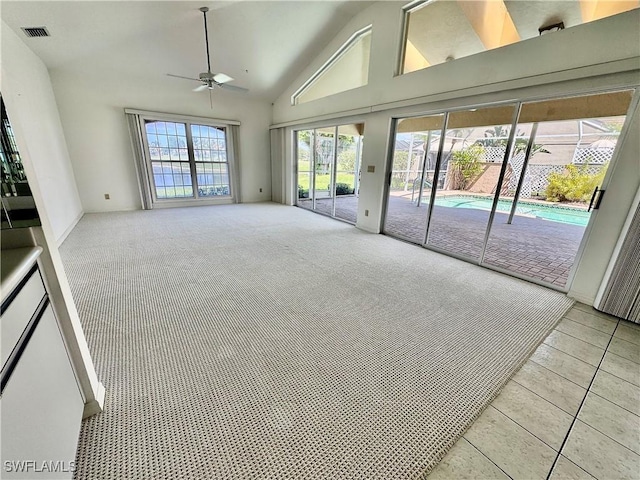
{"x":264,"y":341}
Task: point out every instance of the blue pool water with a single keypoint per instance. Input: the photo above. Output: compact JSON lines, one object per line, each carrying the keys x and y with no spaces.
{"x":560,"y":214}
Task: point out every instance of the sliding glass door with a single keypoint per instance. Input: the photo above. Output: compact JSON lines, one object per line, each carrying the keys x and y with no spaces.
{"x":304,"y":165}
{"x":412,"y":176}
{"x":328,"y":170}
{"x":562,"y":160}
{"x":513,"y":186}
{"x":473,"y":155}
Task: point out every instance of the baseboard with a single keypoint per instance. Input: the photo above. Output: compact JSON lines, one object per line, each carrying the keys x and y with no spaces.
{"x":66,"y":233}
{"x":367,"y":229}
{"x":95,"y":405}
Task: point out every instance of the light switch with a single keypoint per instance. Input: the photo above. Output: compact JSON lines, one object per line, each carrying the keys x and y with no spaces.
{"x":371,"y":168}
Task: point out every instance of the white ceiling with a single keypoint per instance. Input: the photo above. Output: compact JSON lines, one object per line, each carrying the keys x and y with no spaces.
{"x":262,"y":44}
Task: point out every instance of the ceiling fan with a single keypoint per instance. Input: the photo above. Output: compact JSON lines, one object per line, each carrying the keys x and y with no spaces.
{"x":210,"y":80}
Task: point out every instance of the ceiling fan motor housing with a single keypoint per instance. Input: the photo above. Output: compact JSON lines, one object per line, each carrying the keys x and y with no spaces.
{"x":206,"y":77}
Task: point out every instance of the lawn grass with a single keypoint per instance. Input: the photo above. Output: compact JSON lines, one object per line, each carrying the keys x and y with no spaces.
{"x":322,"y":181}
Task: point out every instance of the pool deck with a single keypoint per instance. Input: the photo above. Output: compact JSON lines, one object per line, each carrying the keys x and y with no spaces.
{"x":539,"y":249}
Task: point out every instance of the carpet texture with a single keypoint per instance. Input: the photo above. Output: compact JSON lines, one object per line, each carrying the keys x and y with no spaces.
{"x":264,"y":341}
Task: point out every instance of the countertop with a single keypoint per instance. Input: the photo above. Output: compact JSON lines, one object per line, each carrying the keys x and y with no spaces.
{"x":15,"y":263}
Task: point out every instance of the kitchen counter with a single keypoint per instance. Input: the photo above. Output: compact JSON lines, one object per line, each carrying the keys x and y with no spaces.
{"x":15,"y":263}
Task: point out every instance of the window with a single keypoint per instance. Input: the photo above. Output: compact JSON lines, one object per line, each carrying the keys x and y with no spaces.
{"x":348,"y":68}
{"x":170,"y":150}
{"x":438,"y":31}
{"x":183,"y":159}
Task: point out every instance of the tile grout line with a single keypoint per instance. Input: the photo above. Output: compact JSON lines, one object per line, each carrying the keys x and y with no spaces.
{"x":591,"y":311}
{"x":583,"y":324}
{"x":583,"y":340}
{"x":573,"y":356}
{"x":543,"y":398}
{"x":575,"y":419}
{"x":614,"y":375}
{"x":525,"y":428}
{"x":480,"y":452}
{"x":620,"y":356}
{"x":601,"y":317}
{"x":614,"y":403}
{"x":560,"y":375}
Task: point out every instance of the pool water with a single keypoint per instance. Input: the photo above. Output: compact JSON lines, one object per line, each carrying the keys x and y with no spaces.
{"x":571,"y":216}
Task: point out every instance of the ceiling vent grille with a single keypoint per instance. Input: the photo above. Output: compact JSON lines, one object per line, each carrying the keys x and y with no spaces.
{"x":36,"y":31}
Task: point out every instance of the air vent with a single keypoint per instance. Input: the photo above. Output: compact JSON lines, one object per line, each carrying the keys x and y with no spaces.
{"x":36,"y":31}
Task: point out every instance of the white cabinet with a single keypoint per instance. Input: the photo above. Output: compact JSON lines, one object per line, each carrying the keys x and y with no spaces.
{"x":41,"y":405}
{"x":16,"y":318}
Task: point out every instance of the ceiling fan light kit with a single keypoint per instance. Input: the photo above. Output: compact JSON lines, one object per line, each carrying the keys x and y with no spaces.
{"x":208,"y":79}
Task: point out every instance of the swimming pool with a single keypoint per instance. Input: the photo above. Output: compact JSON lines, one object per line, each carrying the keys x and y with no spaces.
{"x":552,"y":213}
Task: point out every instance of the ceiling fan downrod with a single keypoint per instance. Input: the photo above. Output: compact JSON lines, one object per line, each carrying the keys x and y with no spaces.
{"x":204,"y":11}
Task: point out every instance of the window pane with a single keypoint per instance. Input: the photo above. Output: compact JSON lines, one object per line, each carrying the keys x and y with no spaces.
{"x":168,"y":142}
{"x":349,"y":69}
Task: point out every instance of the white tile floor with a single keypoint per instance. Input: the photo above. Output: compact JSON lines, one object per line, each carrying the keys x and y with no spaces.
{"x":571,"y":412}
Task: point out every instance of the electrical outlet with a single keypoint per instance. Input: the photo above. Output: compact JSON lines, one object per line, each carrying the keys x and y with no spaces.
{"x":260,"y":190}
{"x":366,"y":213}
{"x":106,"y":196}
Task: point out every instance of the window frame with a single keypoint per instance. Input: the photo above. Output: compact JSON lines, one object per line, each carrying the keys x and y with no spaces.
{"x":344,"y":48}
{"x":404,"y":32}
{"x":188,"y":121}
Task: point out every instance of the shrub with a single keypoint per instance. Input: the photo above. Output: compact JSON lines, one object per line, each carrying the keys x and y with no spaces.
{"x":343,"y":189}
{"x":303,"y":192}
{"x":573,"y":185}
{"x":467,"y":164}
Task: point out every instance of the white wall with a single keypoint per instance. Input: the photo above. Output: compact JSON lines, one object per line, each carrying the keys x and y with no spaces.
{"x":31,"y":107}
{"x":92,"y":113}
{"x":525,"y":63}
{"x":591,"y":57}
{"x":32,"y":111}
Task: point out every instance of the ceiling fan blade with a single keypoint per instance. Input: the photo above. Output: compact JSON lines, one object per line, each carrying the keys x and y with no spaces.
{"x":233,"y":88}
{"x":222,"y":78}
{"x":180,"y":76}
{"x":200,"y":88}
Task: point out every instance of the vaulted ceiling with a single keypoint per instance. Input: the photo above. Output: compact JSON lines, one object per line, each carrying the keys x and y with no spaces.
{"x":263,"y":45}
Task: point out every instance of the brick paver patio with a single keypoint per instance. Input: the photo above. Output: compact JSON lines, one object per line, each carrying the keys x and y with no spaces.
{"x":533,"y":247}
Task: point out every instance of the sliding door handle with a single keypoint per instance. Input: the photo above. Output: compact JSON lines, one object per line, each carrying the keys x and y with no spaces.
{"x":599,"y":200}
{"x":599,"y":193}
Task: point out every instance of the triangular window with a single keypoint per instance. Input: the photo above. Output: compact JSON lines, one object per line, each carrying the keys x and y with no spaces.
{"x":346,"y":69}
